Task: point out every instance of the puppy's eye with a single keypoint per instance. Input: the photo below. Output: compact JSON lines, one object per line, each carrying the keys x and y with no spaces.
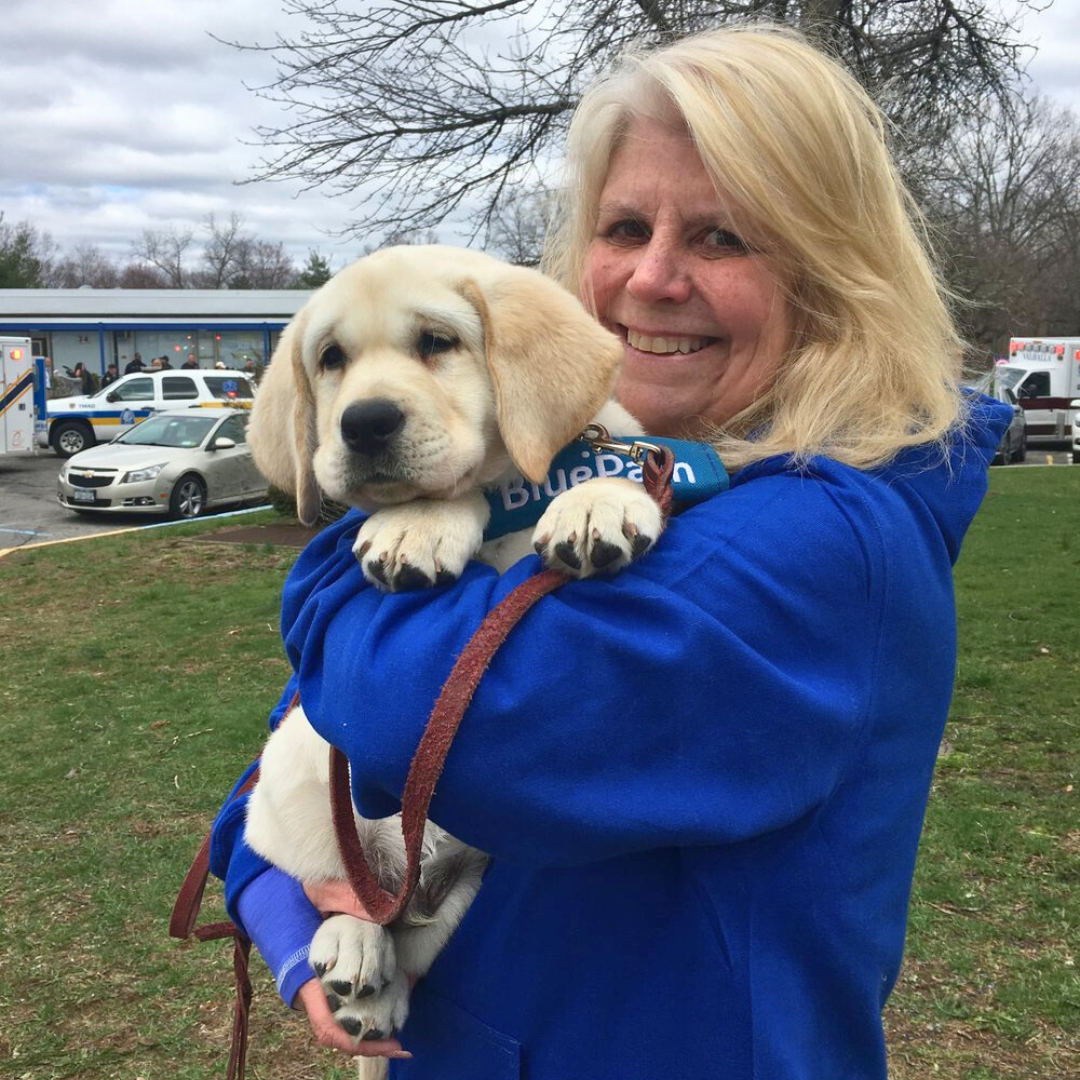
{"x":432,"y":343}
{"x":332,"y":357}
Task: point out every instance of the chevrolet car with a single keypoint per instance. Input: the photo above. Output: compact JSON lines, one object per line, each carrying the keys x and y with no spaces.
{"x":179,"y":463}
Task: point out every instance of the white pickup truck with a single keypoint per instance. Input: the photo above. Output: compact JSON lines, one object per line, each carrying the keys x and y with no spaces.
{"x":77,"y":423}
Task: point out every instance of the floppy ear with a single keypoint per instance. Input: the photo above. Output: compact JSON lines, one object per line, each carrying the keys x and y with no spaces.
{"x":282,"y":432}
{"x":553,"y":366}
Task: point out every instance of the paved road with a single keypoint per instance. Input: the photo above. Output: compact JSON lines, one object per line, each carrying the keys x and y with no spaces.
{"x":29,"y":512}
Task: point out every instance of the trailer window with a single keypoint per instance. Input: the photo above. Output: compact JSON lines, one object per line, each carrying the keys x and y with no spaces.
{"x":1037,"y":384}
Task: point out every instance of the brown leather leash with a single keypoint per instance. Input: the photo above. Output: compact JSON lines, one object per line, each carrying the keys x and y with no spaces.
{"x":657,"y":465}
{"x":428,"y":761}
{"x":182,"y":925}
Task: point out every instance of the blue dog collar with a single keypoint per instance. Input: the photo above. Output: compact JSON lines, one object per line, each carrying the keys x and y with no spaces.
{"x":518,"y":503}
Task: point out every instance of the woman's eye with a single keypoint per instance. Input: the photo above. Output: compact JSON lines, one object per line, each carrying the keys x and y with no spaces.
{"x":331,"y":357}
{"x":432,"y":343}
{"x":724,"y":240}
{"x":626,"y":232}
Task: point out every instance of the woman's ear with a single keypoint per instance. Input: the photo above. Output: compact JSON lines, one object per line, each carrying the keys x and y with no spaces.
{"x":552,"y":365}
{"x":282,"y":433}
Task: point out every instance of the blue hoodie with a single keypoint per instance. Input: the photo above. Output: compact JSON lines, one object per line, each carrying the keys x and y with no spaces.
{"x":702,"y":782}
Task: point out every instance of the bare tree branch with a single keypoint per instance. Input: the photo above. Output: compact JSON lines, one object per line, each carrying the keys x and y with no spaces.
{"x":416,"y":110}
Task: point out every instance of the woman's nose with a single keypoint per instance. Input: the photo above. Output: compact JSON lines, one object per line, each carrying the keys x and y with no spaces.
{"x":660,"y":274}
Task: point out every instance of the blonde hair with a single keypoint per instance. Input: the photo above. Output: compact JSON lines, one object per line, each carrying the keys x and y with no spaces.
{"x":798,"y":147}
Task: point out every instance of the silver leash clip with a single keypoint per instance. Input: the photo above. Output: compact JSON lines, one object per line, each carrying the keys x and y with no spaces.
{"x":599,"y":438}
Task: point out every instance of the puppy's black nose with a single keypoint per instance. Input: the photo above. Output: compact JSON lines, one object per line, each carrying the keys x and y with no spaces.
{"x":368,"y":426}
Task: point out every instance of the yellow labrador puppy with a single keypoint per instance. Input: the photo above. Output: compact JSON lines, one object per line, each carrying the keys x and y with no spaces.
{"x":409,"y":383}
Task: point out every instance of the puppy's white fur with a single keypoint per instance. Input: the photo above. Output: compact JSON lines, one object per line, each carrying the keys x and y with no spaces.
{"x":494,"y":368}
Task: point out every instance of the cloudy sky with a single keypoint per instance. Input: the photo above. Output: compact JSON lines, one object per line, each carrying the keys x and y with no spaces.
{"x":123,"y":115}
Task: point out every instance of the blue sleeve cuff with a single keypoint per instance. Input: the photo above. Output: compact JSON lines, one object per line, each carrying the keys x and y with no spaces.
{"x":281,"y":921}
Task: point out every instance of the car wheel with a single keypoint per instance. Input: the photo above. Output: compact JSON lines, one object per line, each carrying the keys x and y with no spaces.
{"x":1021,"y":453}
{"x":70,"y":437}
{"x":1076,"y":457}
{"x":1002,"y":456}
{"x":188,"y":499}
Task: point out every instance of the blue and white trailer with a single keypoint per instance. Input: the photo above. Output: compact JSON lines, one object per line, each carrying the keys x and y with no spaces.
{"x":16,"y":395}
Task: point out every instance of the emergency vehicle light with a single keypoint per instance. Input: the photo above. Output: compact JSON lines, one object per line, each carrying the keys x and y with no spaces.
{"x":1059,"y":350}
{"x":16,"y":354}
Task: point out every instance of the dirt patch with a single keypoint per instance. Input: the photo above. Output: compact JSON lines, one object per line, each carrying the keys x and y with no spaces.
{"x":280,"y":534}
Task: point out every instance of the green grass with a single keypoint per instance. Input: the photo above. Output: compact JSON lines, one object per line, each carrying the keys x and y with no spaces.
{"x":990,"y":987}
{"x":138,"y":671}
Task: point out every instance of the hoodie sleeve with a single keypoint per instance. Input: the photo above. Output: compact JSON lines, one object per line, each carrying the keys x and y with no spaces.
{"x":709,"y":693}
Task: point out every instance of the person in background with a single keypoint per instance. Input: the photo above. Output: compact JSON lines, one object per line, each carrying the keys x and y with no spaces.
{"x":87,"y":382}
{"x":110,"y":376}
{"x":190,"y":363}
{"x":134,"y":365}
{"x":164,"y":364}
{"x":702,"y":783}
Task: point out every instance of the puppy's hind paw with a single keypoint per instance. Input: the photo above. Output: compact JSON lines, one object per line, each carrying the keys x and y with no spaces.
{"x":357,"y":967}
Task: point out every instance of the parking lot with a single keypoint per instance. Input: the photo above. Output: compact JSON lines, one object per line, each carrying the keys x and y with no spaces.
{"x":30,"y":514}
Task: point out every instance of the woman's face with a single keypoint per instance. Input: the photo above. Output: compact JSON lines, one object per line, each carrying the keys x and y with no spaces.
{"x":703,"y":318}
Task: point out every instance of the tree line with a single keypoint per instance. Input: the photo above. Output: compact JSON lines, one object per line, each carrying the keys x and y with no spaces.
{"x":471,"y":129}
{"x":469,"y":135}
{"x":220,"y":255}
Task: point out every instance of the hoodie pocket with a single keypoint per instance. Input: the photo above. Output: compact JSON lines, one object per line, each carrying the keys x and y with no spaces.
{"x":449,"y":1043}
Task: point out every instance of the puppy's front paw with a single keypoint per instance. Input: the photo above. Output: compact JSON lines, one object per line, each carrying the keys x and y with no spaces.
{"x":422,"y":543}
{"x":357,"y":967}
{"x":598,"y":527}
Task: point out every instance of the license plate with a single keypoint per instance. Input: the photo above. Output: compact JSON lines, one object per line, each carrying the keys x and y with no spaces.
{"x":87,"y":495}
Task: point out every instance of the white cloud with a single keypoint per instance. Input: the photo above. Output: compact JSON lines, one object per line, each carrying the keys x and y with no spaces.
{"x":124,"y":115}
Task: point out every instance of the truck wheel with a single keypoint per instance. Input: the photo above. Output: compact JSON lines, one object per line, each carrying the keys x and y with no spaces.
{"x":188,"y":499}
{"x":1021,"y":452}
{"x":1076,"y":457}
{"x":71,"y":436}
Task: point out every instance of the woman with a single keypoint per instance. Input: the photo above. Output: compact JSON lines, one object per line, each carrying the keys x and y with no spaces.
{"x":702,"y":782}
{"x":85,"y":378}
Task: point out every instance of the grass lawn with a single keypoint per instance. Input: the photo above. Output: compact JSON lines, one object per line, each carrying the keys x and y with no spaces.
{"x":138,"y":671}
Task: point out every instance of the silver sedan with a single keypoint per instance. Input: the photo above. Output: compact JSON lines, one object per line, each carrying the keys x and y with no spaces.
{"x":181,"y":463}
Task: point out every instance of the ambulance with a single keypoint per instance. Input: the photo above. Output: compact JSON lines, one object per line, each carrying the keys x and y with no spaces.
{"x":1044,"y":374}
{"x":16,"y":395}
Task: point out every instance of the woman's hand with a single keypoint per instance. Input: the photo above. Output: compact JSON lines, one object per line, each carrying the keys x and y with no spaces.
{"x":338,"y":898}
{"x":335,"y":898}
{"x":330,"y":1033}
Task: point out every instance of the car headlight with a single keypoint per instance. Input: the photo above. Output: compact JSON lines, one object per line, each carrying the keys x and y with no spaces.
{"x":138,"y":476}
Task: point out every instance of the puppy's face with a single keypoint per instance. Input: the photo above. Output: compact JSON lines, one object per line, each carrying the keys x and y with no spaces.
{"x":421,"y":372}
{"x":404,"y":401}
